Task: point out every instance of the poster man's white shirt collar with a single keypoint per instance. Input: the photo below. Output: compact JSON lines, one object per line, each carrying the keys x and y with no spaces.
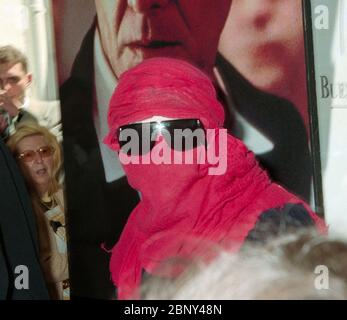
{"x":105,"y":83}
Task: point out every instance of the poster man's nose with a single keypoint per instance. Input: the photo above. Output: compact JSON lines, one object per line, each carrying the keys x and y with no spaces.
{"x":146,"y":5}
{"x":261,"y":12}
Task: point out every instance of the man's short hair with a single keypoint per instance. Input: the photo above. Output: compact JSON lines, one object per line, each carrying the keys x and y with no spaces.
{"x":10,"y":54}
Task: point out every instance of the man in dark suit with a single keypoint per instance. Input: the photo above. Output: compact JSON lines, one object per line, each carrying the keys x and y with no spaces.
{"x":16,"y":107}
{"x":125,"y":33}
{"x":18,"y":236}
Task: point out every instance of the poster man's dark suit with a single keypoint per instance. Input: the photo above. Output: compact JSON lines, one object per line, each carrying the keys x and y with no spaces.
{"x":18,"y":234}
{"x":97,"y":211}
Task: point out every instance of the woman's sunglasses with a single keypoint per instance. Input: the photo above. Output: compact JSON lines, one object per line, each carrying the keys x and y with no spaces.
{"x":29,"y":155}
{"x":174,"y":132}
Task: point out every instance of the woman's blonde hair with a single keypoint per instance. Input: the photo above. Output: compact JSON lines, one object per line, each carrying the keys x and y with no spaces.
{"x":32,"y":129}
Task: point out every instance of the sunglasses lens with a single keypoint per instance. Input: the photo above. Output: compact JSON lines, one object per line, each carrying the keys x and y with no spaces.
{"x":123,"y":139}
{"x":186,"y":134}
{"x":136,"y":139}
{"x":46,"y":151}
{"x":28,"y":156}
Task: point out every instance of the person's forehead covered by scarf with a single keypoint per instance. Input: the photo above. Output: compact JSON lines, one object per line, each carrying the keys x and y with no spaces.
{"x":164,"y":87}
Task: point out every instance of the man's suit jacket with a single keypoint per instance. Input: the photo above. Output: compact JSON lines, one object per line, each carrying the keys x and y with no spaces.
{"x":45,"y":113}
{"x":97,"y":211}
{"x":18,"y":234}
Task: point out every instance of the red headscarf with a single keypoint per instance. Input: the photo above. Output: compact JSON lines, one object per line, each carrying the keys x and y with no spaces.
{"x":183,"y":209}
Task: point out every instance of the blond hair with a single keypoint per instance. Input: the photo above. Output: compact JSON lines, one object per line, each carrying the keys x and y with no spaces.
{"x":32,"y":129}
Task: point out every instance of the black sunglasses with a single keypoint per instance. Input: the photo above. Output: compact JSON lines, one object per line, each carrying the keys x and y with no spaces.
{"x":169,"y":129}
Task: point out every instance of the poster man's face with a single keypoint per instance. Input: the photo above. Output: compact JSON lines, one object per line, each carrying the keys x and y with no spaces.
{"x":264,"y":40}
{"x":134,"y":30}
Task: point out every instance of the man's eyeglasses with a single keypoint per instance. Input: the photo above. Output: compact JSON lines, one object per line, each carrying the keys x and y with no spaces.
{"x":180,"y":134}
{"x":29,"y":155}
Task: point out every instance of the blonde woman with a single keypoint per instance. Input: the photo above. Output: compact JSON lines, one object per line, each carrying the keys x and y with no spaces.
{"x":39,"y":157}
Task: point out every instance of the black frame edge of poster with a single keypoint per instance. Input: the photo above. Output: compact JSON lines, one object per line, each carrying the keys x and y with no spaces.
{"x":312,"y":108}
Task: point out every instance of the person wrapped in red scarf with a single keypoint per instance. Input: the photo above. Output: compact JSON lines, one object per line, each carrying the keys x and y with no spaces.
{"x":185,"y":208}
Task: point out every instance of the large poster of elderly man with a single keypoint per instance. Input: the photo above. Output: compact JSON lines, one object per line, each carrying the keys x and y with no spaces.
{"x":253,"y":52}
